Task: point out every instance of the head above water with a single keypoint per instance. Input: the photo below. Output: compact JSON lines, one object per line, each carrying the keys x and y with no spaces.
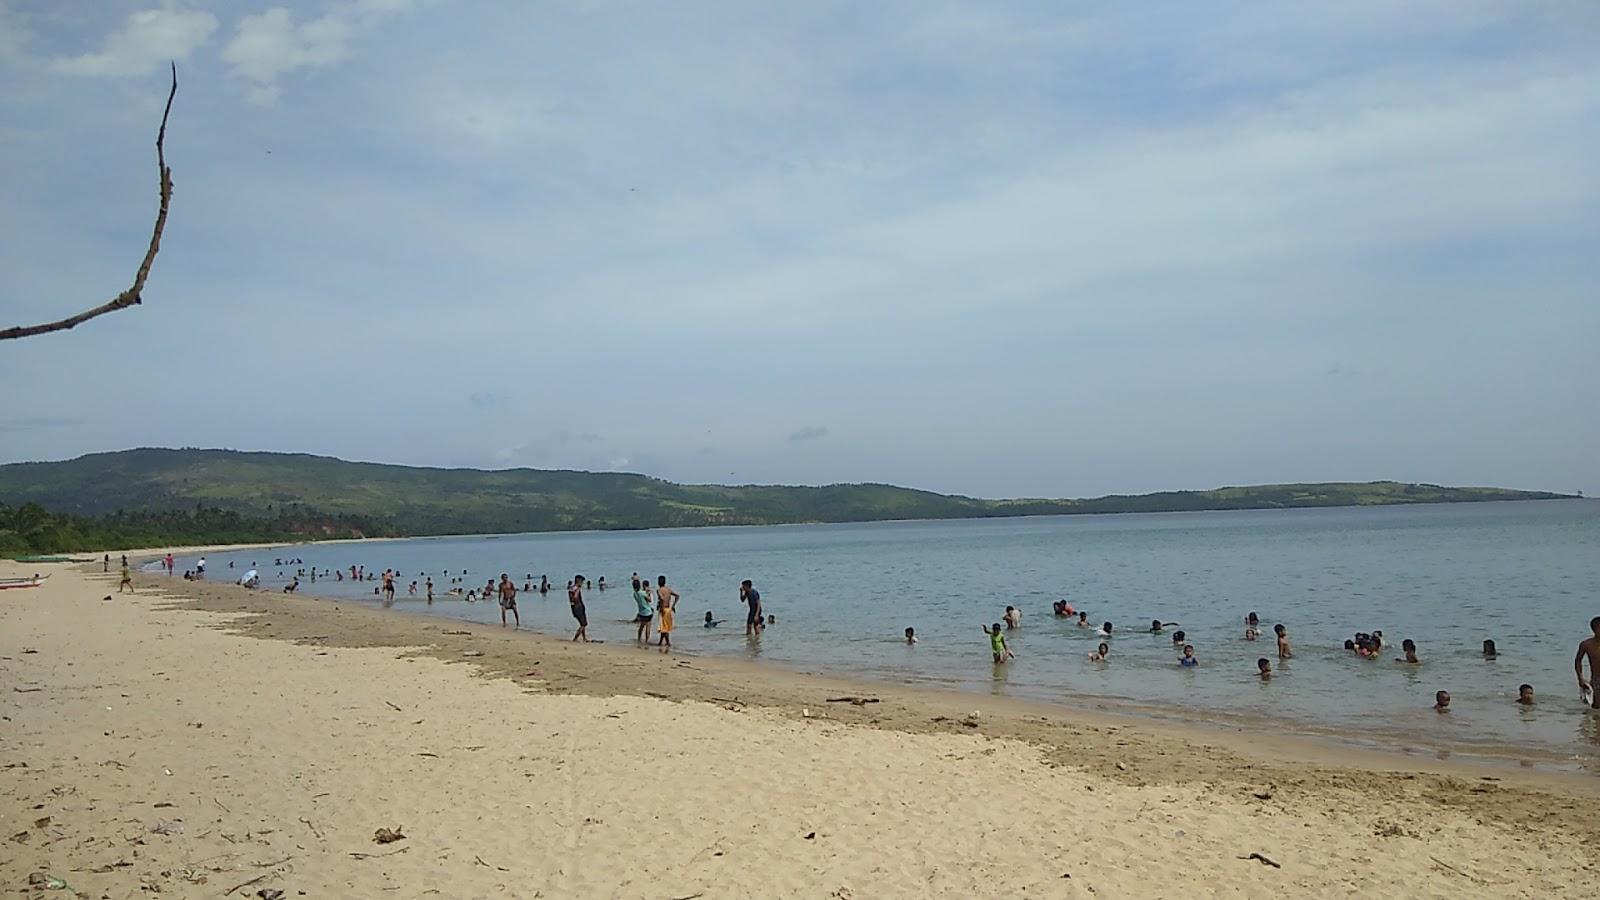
{"x":1263,"y":664}
{"x":1278,"y":629}
{"x":1105,"y":648}
{"x":910,"y":631}
{"x":1441,"y":699}
{"x":1106,"y":627}
{"x":746,"y":584}
{"x":1253,"y":619}
{"x":996,"y":626}
{"x":1188,"y":649}
{"x":1408,"y":645}
{"x":1178,"y":637}
{"x":1083,"y":617}
{"x":1488,"y":648}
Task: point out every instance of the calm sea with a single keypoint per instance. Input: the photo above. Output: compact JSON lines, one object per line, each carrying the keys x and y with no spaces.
{"x":1526,"y":574}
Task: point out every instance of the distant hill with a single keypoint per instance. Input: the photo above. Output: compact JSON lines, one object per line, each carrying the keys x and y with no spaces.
{"x":322,"y":497}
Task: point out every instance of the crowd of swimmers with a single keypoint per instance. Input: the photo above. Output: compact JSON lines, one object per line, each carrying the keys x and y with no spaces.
{"x":1363,"y":645}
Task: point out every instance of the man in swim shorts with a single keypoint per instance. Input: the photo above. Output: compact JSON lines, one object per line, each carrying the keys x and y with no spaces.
{"x":1589,"y":649}
{"x":751,"y":597}
{"x":508,"y":601}
{"x":575,"y":600}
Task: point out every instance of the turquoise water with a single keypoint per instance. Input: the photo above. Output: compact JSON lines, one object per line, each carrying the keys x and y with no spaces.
{"x":1526,"y":574}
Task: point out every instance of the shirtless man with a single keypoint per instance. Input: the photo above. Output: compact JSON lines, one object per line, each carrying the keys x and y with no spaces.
{"x":508,"y":601}
{"x":1589,"y":649}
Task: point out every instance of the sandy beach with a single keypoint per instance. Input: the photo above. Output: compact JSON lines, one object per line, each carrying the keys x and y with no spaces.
{"x":207,"y":741}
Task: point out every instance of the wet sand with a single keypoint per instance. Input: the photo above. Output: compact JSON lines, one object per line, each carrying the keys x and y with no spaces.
{"x":521,"y":765}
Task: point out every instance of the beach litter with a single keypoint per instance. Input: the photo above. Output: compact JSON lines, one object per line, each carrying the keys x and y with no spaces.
{"x":48,"y":882}
{"x":270,"y":894}
{"x":1264,"y":859}
{"x":388,"y":835}
{"x":167,"y":828}
{"x":855,"y":701}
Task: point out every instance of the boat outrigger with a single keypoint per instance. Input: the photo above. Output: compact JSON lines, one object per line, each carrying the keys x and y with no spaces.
{"x":35,"y":581}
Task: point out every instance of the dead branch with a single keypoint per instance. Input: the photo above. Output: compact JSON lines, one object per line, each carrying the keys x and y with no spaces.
{"x":131,"y":296}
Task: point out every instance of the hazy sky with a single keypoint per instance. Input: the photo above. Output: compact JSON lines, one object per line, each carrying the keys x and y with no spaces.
{"x":992,"y":248}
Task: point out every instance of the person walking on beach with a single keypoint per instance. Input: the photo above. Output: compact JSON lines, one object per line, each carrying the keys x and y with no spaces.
{"x":508,"y":601}
{"x":645,"y":612}
{"x":751,"y":597}
{"x":127,"y":580}
{"x":105,"y":564}
{"x":575,"y":600}
{"x":170,"y":563}
{"x":1589,"y":648}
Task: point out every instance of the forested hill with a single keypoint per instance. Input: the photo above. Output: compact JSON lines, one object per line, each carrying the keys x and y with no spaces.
{"x":323,"y":497}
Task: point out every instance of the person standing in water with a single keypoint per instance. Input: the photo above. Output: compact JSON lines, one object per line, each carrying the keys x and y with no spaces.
{"x":667,"y":609}
{"x":751,"y":597}
{"x":641,"y":600}
{"x":575,"y":600}
{"x":997,"y":643}
{"x":1589,"y":648}
{"x":430,"y":591}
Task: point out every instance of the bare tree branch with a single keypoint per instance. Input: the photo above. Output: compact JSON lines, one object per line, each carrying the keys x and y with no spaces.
{"x":131,"y":296}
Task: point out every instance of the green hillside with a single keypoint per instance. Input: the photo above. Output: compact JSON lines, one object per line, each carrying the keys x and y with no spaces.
{"x":317,"y":496}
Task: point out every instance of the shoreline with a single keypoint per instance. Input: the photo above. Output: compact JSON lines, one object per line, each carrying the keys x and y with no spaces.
{"x":296,"y":617}
{"x":199,"y":739}
{"x":1400,"y":749}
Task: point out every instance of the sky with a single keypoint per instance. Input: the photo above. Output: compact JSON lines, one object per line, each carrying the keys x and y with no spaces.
{"x":992,"y":248}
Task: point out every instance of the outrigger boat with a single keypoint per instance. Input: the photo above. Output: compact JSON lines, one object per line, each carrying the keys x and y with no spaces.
{"x":35,"y":581}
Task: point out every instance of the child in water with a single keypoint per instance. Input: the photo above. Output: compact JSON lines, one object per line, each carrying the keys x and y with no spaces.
{"x":1188,"y":660}
{"x":1083,"y":620}
{"x":1264,"y":668}
{"x":710,"y":622}
{"x":997,"y":643}
{"x":911,"y":635}
{"x":1488,"y":650}
{"x":1441,"y":702}
{"x":1525,"y":695}
{"x":1410,"y":647}
{"x":1284,"y":652}
{"x":1100,"y":653}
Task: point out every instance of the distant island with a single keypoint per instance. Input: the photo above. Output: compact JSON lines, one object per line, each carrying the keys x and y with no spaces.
{"x":154,"y":497}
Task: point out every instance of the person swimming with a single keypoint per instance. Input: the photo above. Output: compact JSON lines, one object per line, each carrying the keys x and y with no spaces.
{"x":911,"y":635}
{"x":1105,"y":630}
{"x":1525,"y":695}
{"x":1083,"y":620}
{"x":1489,"y":651}
{"x":1157,"y":626}
{"x":1178,"y":637}
{"x":1410,"y":648}
{"x":711,"y":622}
{"x":1441,"y":702}
{"x":1100,"y":653}
{"x":1264,"y":668}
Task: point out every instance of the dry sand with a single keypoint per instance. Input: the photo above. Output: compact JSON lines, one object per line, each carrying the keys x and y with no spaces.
{"x":212,"y":737}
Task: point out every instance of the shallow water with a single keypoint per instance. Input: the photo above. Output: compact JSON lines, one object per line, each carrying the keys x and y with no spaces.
{"x":1526,"y":574}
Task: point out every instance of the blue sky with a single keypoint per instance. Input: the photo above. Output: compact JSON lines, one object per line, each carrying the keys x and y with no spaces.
{"x":1000,"y":249}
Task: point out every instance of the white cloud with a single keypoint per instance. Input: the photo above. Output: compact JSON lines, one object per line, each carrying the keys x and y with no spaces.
{"x":146,"y":40}
{"x":270,"y":44}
